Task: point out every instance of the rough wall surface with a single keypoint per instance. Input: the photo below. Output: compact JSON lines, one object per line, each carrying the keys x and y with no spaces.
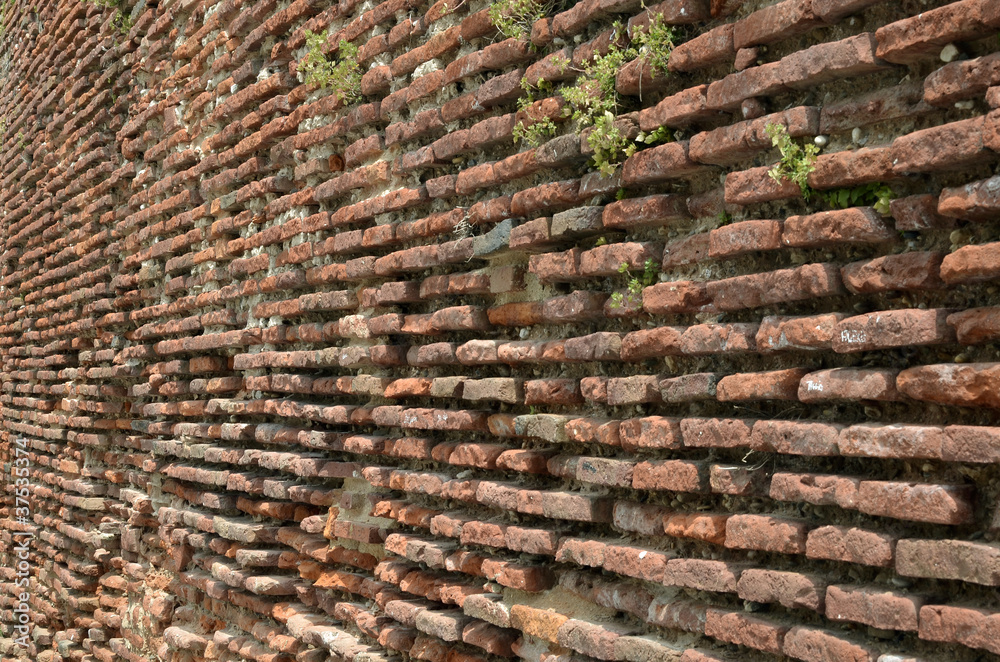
{"x":293,"y":380}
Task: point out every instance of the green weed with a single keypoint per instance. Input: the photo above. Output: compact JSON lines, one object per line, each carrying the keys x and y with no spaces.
{"x":654,"y":43}
{"x":796,"y":161}
{"x":534,"y":132}
{"x":514,"y":18}
{"x":635,"y":285}
{"x":342,"y":76}
{"x":873,"y":194}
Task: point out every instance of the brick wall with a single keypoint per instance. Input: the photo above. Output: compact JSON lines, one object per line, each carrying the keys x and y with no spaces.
{"x":296,"y":380}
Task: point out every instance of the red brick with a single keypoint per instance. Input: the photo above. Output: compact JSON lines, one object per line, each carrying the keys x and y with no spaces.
{"x":979,"y":200}
{"x":817,"y":489}
{"x":716,"y":432}
{"x":755,"y":185}
{"x":594,"y":389}
{"x":760,"y":81}
{"x":918,"y":212}
{"x":967,"y":385}
{"x":680,"y":109}
{"x":775,"y":385}
{"x":893,"y":328}
{"x":791,"y":589}
{"x":675,"y":297}
{"x":660,"y":163}
{"x":556,"y":267}
{"x":673,"y":475}
{"x":976,"y":325}
{"x":522,"y":460}
{"x":645,"y":519}
{"x":532,"y":579}
{"x":689,"y":388}
{"x":653,"y":210}
{"x":893,"y":441}
{"x":751,"y":631}
{"x":813,"y":645}
{"x":822,"y":63}
{"x":919,"y":502}
{"x":645,"y":564}
{"x":775,"y":23}
{"x":859,"y":225}
{"x":608,"y":260}
{"x":582,"y":552}
{"x":651,"y":432}
{"x":702,"y":339}
{"x":552,"y":391}
{"x":978,"y":563}
{"x":737,"y":480}
{"x":709,"y":47}
{"x":972,"y":264}
{"x":954,"y":145}
{"x":851,"y":168}
{"x":903,"y":271}
{"x":737,"y":142}
{"x":784,"y":285}
{"x":651,"y":343}
{"x":852,"y":545}
{"x":770,"y":534}
{"x":975,"y":628}
{"x":745,"y":237}
{"x":702,"y":574}
{"x":849,"y":384}
{"x":967,"y":443}
{"x":873,"y":606}
{"x":591,"y":430}
{"x":964,"y":79}
{"x":922,"y":36}
{"x":524,"y":313}
{"x":802,"y":333}
{"x":699,"y":526}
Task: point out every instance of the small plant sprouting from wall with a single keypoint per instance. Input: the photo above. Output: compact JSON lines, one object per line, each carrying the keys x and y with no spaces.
{"x":514,"y":18}
{"x":796,"y":161}
{"x":635,"y":285}
{"x":342,"y":76}
{"x":121,"y":21}
{"x":873,"y":194}
{"x":592,"y":101}
{"x":534,"y":131}
{"x":654,"y":43}
{"x":658,"y":135}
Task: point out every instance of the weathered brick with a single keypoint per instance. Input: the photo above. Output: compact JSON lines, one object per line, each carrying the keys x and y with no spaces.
{"x":978,"y":563}
{"x":852,"y":545}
